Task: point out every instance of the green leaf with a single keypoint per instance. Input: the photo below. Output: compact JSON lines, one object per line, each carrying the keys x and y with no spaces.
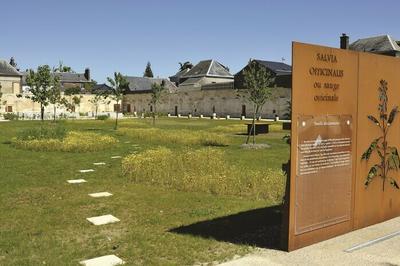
{"x":367,"y":154}
{"x":393,"y":159}
{"x":371,"y":174}
{"x":373,"y":119}
{"x":392,"y":114}
{"x":380,"y":154}
{"x":394,"y":183}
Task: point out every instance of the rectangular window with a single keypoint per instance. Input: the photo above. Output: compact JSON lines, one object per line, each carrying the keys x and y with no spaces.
{"x":9,"y":109}
{"x":116,"y":107}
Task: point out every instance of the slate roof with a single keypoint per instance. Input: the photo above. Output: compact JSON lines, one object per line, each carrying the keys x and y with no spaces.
{"x":8,"y":70}
{"x":179,"y":74}
{"x":191,"y":81}
{"x":377,"y":44}
{"x":278,"y":68}
{"x":208,"y":68}
{"x":71,"y":77}
{"x":101,"y":87}
{"x":65,"y":77}
{"x":143,"y":84}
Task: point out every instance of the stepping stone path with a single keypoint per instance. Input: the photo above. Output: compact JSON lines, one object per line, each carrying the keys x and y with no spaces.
{"x":104,"y":219}
{"x":109,"y":260}
{"x":100,"y":194}
{"x":86,"y":170}
{"x":76,"y":181}
{"x":127,"y":142}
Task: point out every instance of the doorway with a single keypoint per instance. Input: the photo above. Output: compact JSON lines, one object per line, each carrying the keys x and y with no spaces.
{"x":244,"y":110}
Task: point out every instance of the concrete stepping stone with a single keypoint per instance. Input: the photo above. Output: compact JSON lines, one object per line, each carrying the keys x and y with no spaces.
{"x":104,"y":219}
{"x":76,"y":181}
{"x":116,"y":157}
{"x":99,"y":163}
{"x":127,"y":142}
{"x":100,"y":194}
{"x":109,"y":260}
{"x":86,"y":170}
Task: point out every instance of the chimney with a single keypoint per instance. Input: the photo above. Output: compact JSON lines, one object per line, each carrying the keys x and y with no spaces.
{"x":344,"y":41}
{"x":87,"y":74}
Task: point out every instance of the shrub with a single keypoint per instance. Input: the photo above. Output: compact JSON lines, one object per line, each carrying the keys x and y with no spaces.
{"x":10,"y":116}
{"x":73,"y":142}
{"x":203,"y":170}
{"x":102,"y":117}
{"x":57,"y":131}
{"x":186,"y":137}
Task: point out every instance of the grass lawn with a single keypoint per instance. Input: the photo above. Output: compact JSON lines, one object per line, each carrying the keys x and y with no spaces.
{"x":43,"y":218}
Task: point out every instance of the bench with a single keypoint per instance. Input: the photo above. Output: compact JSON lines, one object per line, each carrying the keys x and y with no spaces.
{"x":261,"y":128}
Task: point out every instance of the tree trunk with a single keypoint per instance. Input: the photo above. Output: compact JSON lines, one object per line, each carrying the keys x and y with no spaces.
{"x":95,"y":114}
{"x":154,"y":116}
{"x":252,"y":125}
{"x":55,"y":110}
{"x":116,"y":116}
{"x":41,"y":112}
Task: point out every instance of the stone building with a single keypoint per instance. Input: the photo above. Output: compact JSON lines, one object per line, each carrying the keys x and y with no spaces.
{"x":10,"y":85}
{"x":67,"y":79}
{"x":209,"y":89}
{"x":384,"y":45}
{"x":14,"y":91}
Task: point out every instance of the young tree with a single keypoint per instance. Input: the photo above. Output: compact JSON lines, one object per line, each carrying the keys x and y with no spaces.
{"x":63,"y":68}
{"x":55,"y":95}
{"x":118,"y":86}
{"x":40,"y":83}
{"x":74,"y":100}
{"x":1,"y":95}
{"x":258,"y":82}
{"x":156,"y":94}
{"x":13,"y":63}
{"x":97,"y":100}
{"x":148,"y":72}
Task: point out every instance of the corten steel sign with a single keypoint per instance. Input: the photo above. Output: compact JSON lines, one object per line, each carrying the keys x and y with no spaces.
{"x":333,"y":93}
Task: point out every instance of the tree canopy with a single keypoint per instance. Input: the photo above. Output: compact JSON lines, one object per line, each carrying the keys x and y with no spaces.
{"x":258,"y":82}
{"x":186,"y":65}
{"x":118,"y":86}
{"x":148,"y":72}
{"x":40,"y":83}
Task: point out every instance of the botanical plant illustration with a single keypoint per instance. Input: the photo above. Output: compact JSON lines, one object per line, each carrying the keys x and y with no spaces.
{"x":389,"y":157}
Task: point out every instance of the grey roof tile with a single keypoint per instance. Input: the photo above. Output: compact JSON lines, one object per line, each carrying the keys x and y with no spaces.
{"x":278,"y":67}
{"x":143,"y":84}
{"x":65,"y":77}
{"x":208,"y":68}
{"x":377,"y":44}
{"x":8,"y":70}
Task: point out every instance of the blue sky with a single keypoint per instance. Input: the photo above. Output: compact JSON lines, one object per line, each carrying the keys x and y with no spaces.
{"x":123,"y":35}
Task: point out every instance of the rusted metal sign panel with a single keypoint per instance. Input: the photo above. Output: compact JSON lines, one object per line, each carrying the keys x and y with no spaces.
{"x":324,"y":97}
{"x":333,"y":93}
{"x":324,"y":172}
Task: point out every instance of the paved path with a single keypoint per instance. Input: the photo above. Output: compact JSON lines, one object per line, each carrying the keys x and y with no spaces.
{"x":331,"y":252}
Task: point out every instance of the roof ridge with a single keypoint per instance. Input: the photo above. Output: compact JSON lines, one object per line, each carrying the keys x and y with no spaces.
{"x":209,"y":67}
{"x":393,"y":43}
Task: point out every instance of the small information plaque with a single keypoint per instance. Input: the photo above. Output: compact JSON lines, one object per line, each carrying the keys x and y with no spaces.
{"x":323,"y":161}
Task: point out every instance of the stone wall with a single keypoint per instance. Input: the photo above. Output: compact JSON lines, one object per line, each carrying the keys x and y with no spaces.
{"x":10,"y":84}
{"x":207,"y":102}
{"x":11,"y":103}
